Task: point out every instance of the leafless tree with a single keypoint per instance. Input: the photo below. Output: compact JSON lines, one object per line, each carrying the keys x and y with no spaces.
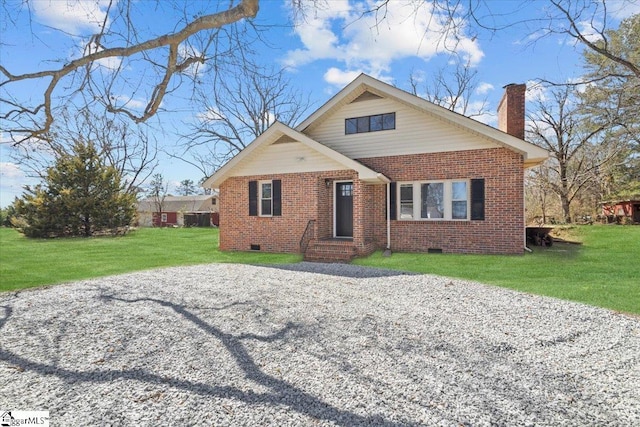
{"x":200,"y":38}
{"x":129,"y":149}
{"x":237,"y":109}
{"x":454,"y":87}
{"x":150,"y":63}
{"x":158,"y":190}
{"x":572,"y":138}
{"x":537,"y":193}
{"x":585,"y":21}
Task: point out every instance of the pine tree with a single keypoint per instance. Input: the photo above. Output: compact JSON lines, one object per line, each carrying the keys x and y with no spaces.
{"x":80,"y":196}
{"x":186,"y":187}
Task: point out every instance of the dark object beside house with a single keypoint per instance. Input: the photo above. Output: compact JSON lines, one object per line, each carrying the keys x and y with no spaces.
{"x":539,"y":236}
{"x":622,"y":211}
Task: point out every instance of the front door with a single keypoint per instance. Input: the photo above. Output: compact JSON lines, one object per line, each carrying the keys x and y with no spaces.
{"x":344,"y":209}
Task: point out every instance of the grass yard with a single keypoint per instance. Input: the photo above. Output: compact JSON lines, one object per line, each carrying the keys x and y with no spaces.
{"x":604,"y":270}
{"x":33,"y":262}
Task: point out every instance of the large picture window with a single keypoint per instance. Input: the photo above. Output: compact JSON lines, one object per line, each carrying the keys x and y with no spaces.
{"x":434,"y":200}
{"x":373,"y":123}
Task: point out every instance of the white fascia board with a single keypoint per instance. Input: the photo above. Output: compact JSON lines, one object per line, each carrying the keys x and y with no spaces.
{"x":532,"y":154}
{"x":364,"y":172}
{"x":273,"y":133}
{"x":221,"y":174}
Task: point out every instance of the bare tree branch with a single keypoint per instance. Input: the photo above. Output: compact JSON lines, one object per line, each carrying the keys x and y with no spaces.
{"x":238,"y":109}
{"x":96,"y":51}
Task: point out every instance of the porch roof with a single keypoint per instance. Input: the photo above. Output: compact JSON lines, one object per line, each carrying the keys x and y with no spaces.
{"x":277,"y":132}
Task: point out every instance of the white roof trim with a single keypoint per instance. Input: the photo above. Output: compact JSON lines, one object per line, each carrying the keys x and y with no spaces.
{"x":532,"y":154}
{"x":271,"y":135}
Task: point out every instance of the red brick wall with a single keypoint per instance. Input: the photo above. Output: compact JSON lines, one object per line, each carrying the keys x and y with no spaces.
{"x":502,"y":230}
{"x":305,"y":197}
{"x":511,"y":110}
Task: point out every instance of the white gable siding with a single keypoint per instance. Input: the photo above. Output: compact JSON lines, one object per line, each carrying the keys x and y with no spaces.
{"x":416,"y":132}
{"x":290,"y":157}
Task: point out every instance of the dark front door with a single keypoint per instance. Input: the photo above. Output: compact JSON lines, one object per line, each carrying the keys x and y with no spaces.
{"x":344,"y":209}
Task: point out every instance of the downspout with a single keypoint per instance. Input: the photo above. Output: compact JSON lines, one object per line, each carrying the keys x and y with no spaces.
{"x":524,"y":215}
{"x":387,"y":252}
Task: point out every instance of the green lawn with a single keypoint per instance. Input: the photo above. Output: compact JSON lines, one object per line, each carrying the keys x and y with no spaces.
{"x":604,"y":270}
{"x":32,"y":262}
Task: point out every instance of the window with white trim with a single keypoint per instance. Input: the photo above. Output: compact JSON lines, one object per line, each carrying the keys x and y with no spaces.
{"x":163,"y":217}
{"x":266,"y":198}
{"x":459,"y":200}
{"x":406,"y":201}
{"x":375,"y":123}
{"x":434,"y":200}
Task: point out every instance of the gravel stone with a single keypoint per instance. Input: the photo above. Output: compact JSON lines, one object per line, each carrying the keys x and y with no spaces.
{"x":313,"y":344}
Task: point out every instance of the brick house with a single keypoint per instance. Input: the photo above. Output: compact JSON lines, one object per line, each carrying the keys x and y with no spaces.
{"x":376,"y":167}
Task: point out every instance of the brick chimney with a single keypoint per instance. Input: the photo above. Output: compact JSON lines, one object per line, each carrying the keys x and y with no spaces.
{"x":511,"y":110}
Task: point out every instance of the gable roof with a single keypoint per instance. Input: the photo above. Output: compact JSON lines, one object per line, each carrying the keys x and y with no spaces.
{"x":368,"y":87}
{"x":279,"y":132}
{"x":177,"y":203}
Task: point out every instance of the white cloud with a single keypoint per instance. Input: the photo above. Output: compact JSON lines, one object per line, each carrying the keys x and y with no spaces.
{"x":487,"y":118}
{"x":106,"y":64}
{"x":12,"y":181}
{"x":210,"y":115}
{"x":343,"y":34}
{"x":195,"y":69}
{"x":588,"y":30}
{"x":128,"y":102}
{"x":622,"y":9}
{"x":72,"y":16}
{"x":10,"y":171}
{"x":484,"y":88}
{"x":340,"y":78}
{"x":536,"y":92}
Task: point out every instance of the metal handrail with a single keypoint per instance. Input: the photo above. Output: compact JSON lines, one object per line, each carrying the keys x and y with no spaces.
{"x":307,"y":236}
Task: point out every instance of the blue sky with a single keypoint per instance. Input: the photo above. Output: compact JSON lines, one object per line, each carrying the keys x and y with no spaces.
{"x":322,"y":54}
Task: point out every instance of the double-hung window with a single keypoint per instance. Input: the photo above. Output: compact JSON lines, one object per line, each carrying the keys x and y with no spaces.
{"x":434,"y":200}
{"x":406,"y":201}
{"x":459,"y":200}
{"x":266,"y":198}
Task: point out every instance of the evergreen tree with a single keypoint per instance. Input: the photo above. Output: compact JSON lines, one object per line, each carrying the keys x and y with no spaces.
{"x":613,"y":95}
{"x":186,"y":187}
{"x":80,"y":196}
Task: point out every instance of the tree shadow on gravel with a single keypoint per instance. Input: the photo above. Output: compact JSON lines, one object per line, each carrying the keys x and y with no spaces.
{"x":340,"y":270}
{"x":281,"y":392}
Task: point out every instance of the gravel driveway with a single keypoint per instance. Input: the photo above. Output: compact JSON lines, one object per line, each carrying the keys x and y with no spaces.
{"x":313,"y":344}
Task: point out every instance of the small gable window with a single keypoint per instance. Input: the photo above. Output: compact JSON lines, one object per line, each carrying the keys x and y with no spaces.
{"x":373,"y":123}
